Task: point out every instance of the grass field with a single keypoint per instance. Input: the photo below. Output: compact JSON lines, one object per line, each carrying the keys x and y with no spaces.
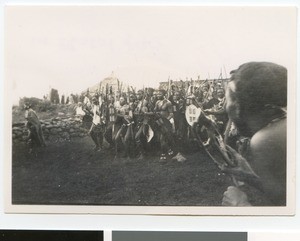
{"x":71,"y":173}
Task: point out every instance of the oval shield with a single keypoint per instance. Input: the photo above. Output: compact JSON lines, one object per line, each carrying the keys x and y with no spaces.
{"x":192,"y":114}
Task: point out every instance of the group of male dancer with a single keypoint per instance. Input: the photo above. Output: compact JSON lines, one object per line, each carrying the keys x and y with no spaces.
{"x":134,"y":124}
{"x":255,"y":105}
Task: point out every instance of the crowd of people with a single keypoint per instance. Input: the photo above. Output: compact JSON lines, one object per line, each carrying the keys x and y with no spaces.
{"x":136,"y":123}
{"x":251,"y":118}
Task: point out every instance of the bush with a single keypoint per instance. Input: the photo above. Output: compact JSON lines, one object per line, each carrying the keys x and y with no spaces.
{"x":38,"y":104}
{"x":46,"y":106}
{"x":31,"y":100}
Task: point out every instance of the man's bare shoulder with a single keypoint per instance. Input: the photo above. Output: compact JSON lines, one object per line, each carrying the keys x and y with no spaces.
{"x":167,"y":102}
{"x":268,"y":159}
{"x":274,"y":133}
{"x":268,"y":145}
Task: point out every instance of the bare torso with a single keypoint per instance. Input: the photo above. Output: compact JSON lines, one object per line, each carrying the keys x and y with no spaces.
{"x":269,"y":160}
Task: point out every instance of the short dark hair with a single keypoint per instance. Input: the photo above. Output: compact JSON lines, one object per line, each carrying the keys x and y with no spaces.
{"x":260,"y":84}
{"x":27,"y":105}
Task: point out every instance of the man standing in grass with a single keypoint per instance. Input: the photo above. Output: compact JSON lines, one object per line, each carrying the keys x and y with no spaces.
{"x":34,"y":126}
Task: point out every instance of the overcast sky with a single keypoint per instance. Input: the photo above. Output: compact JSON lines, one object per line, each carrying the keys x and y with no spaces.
{"x":72,"y":48}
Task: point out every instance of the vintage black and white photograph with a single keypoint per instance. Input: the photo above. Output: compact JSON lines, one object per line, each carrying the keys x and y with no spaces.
{"x":150,"y":109}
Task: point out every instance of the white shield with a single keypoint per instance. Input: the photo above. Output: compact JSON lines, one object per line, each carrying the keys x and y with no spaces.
{"x":192,"y":114}
{"x":150,"y":134}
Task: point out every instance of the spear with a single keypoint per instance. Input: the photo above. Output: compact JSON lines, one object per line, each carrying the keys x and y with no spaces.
{"x":225,"y":71}
{"x":169,"y":86}
{"x":121,"y":88}
{"x":128,"y":94}
{"x":106,"y":91}
{"x":192,"y":86}
{"x":132,"y":90}
{"x":187,"y":88}
{"x":99,"y":88}
{"x":220,"y":76}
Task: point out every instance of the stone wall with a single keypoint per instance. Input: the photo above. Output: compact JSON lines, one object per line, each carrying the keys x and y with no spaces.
{"x":57,"y":129}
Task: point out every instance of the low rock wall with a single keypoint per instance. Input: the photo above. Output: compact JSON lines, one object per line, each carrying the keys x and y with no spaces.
{"x":55,"y":130}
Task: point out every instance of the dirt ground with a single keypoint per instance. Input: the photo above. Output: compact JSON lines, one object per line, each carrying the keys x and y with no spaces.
{"x":71,"y":173}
